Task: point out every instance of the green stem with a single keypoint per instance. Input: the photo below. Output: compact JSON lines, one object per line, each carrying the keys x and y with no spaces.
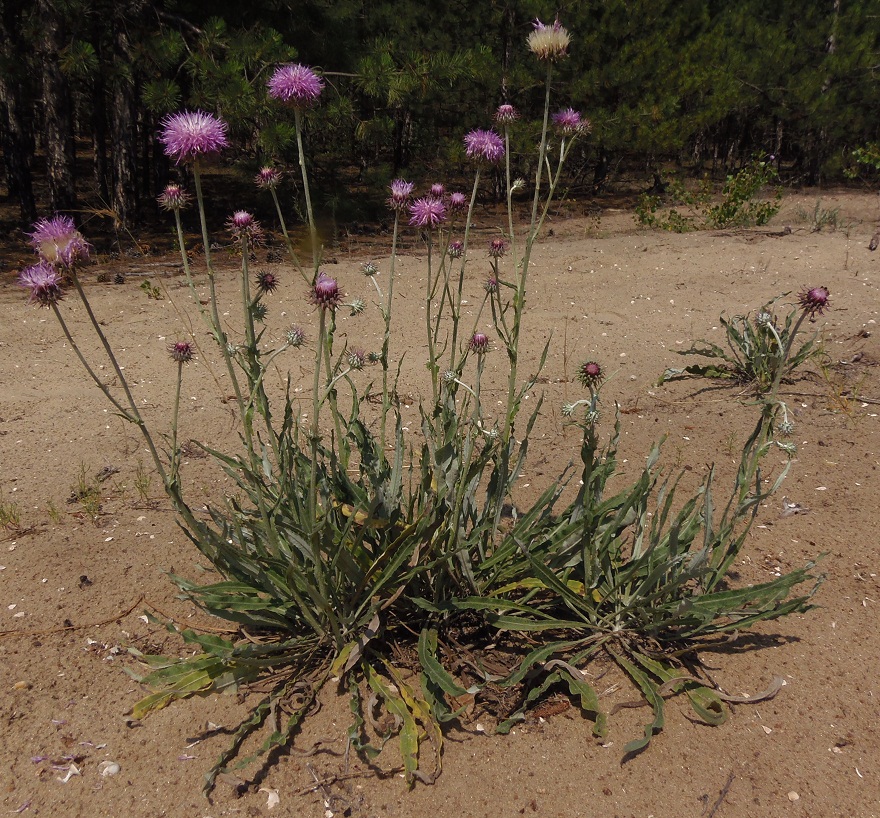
{"x":432,"y":355}
{"x":217,"y":327}
{"x":456,"y":308}
{"x":291,"y":252}
{"x":386,"y":338}
{"x":313,"y":230}
{"x":315,"y":437}
{"x":175,"y":415}
{"x":133,"y":413}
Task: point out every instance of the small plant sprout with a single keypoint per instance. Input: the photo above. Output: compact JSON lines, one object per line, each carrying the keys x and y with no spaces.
{"x":10,"y":516}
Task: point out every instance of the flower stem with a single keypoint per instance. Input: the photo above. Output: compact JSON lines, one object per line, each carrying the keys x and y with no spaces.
{"x":216,"y":326}
{"x":313,"y":230}
{"x":386,"y":338}
{"x":291,"y":252}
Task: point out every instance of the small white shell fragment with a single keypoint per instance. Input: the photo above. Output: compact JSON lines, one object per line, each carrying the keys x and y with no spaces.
{"x":793,"y":796}
{"x":766,"y":729}
{"x":108,"y":767}
{"x":273,"y":799}
{"x":72,"y":770}
{"x":480,"y":728}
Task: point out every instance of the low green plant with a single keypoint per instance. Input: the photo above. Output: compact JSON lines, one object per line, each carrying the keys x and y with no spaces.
{"x":151,"y":290}
{"x":143,"y":481}
{"x":346,"y":542}
{"x":738,"y":205}
{"x":10,"y":515}
{"x":824,"y":218}
{"x":87,"y":492}
{"x":759,"y":350}
{"x":54,"y":513}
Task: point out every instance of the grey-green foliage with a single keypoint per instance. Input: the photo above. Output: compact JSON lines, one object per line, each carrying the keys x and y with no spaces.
{"x":758,"y":351}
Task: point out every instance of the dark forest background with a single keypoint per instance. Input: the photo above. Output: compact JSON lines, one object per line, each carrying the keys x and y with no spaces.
{"x":701,"y":84}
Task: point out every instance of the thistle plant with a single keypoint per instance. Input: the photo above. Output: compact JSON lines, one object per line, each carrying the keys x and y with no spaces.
{"x":760,"y":351}
{"x":345,"y":537}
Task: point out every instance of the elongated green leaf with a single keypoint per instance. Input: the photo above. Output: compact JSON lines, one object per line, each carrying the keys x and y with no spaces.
{"x":432,"y":667}
{"x":705,"y":702}
{"x":653,"y":697}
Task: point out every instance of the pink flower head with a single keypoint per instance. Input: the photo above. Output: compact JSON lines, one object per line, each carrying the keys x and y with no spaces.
{"x":268,"y":178}
{"x":44,"y":283}
{"x":297,"y":84}
{"x":590,"y":374}
{"x":242,"y":225}
{"x":174,"y":197}
{"x":437,"y":190}
{"x":505,"y":114}
{"x":815,"y":300}
{"x":497,"y":248}
{"x":568,"y":122}
{"x":479,"y":343}
{"x":267,"y":282}
{"x":484,"y":146}
{"x":456,"y":248}
{"x":188,"y":134}
{"x":181,"y":351}
{"x":401,"y":191}
{"x":549,"y":43}
{"x":325,"y":292}
{"x":57,"y":241}
{"x":457,"y":201}
{"x":490,"y":285}
{"x":427,"y":212}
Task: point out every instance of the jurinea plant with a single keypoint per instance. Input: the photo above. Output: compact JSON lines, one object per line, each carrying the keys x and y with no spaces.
{"x":346,"y":537}
{"x":760,"y":349}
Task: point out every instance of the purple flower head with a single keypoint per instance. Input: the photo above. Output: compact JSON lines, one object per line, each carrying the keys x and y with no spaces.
{"x":437,"y":190}
{"x":182,"y":352}
{"x":401,"y":191}
{"x":297,"y":84}
{"x":497,"y":248}
{"x":456,"y":248}
{"x":490,"y":285}
{"x":479,"y":343}
{"x":427,"y":212}
{"x":568,"y":122}
{"x":457,"y":201}
{"x":815,"y":300}
{"x":242,"y":225}
{"x":57,"y":241}
{"x":505,"y":114}
{"x":190,"y":133}
{"x":267,"y":282}
{"x":325,"y":292}
{"x":549,"y":43}
{"x":484,"y":146}
{"x":174,"y":197}
{"x":268,"y":178}
{"x":590,"y":374}
{"x":44,"y":283}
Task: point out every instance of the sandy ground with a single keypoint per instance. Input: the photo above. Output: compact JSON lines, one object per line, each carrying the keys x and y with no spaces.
{"x":74,"y":587}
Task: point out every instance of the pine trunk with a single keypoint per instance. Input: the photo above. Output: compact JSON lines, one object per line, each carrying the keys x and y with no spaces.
{"x":122,"y":119}
{"x":16,"y":148}
{"x":58,"y":134}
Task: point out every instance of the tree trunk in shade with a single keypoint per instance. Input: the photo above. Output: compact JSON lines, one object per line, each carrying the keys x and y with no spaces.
{"x":58,"y":135}
{"x":122,"y":131}
{"x":16,"y":150}
{"x":14,"y":139}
